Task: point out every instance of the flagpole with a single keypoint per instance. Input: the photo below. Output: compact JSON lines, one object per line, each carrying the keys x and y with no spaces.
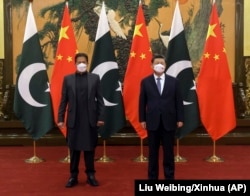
{"x":141,"y":157}
{"x":66,"y":159}
{"x":179,"y":158}
{"x":104,"y":158}
{"x":214,"y":158}
{"x":34,"y":159}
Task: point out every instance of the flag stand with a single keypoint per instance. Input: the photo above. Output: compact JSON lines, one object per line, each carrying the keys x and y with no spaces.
{"x":141,"y":158}
{"x":178,"y":158}
{"x":104,"y":158}
{"x":66,"y":159}
{"x":34,"y":159}
{"x":214,"y":158}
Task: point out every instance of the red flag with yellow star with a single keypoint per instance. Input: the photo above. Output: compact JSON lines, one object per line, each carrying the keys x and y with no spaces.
{"x":138,"y":67}
{"x":214,"y":84}
{"x":64,"y":61}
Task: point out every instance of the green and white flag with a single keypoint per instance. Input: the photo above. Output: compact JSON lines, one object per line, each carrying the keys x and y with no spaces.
{"x":32,"y":100}
{"x":179,"y":66}
{"x":104,"y":64}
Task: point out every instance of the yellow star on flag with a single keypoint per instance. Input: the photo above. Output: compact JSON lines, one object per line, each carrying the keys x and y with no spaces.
{"x":137,"y":30}
{"x":206,"y":55}
{"x":132,"y":54}
{"x":143,"y":56}
{"x":69,"y":59}
{"x":63,"y":33}
{"x":216,"y":57}
{"x":59,"y":57}
{"x":211,"y":30}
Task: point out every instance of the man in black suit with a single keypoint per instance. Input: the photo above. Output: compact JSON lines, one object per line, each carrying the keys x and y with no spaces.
{"x":161,"y":111}
{"x":82,"y":98}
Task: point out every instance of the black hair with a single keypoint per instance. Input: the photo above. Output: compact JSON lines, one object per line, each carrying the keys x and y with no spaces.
{"x":156,"y":56}
{"x":81,"y":54}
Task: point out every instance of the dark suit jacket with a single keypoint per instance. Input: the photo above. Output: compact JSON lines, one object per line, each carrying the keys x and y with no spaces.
{"x":153,"y":106}
{"x":95,"y":100}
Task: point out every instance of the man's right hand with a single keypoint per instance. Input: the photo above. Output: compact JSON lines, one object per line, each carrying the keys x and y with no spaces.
{"x":60,"y":125}
{"x":143,"y":124}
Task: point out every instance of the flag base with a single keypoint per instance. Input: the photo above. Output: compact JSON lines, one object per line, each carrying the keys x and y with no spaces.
{"x":178,"y":158}
{"x":34,"y":159}
{"x":141,"y":158}
{"x":104,"y":159}
{"x":65,"y":160}
{"x":214,"y":159}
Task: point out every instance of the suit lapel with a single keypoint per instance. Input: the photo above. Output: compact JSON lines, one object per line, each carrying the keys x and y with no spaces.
{"x":165,"y":85}
{"x":154,"y":84}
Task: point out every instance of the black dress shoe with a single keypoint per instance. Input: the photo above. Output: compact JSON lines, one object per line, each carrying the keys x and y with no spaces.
{"x":92,"y":181}
{"x":72,"y":182}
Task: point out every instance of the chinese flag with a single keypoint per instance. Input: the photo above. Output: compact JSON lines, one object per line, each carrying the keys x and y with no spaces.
{"x":64,"y":61}
{"x":214,"y":84}
{"x":138,"y":67}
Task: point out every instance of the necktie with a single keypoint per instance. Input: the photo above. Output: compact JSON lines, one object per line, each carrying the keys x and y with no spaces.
{"x":158,"y":83}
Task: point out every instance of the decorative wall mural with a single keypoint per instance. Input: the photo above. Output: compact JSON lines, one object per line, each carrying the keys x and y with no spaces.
{"x":121,"y":16}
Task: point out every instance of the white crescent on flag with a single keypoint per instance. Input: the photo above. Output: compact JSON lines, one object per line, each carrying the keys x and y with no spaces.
{"x":24,"y":83}
{"x":101,"y":70}
{"x":178,"y":67}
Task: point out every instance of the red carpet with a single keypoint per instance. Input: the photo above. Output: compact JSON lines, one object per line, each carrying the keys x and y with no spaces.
{"x":116,"y":178}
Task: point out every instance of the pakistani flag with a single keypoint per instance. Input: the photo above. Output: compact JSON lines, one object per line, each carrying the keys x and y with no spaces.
{"x":179,"y":66}
{"x":104,"y":64}
{"x":32,"y":102}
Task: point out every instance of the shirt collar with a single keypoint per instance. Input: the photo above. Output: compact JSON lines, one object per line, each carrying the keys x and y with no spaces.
{"x":162,"y":76}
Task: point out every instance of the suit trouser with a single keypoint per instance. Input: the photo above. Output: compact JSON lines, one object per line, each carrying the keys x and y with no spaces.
{"x":155,"y":139}
{"x":88,"y":160}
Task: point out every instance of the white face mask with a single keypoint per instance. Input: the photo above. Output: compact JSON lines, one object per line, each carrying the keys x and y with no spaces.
{"x":159,"y":68}
{"x":81,"y":67}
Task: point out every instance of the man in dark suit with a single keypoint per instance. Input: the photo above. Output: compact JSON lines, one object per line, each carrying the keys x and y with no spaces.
{"x":161,"y":111}
{"x":82,"y":98}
